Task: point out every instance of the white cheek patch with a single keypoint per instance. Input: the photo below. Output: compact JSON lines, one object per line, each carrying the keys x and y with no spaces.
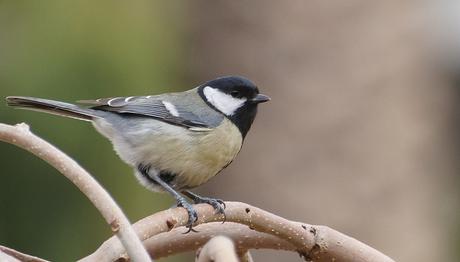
{"x":225,"y":103}
{"x":171,"y":108}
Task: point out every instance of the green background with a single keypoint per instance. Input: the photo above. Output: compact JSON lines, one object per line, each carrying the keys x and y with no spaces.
{"x":71,"y":50}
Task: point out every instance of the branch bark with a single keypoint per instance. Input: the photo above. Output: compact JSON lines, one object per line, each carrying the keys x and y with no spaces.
{"x":6,"y":251}
{"x":217,"y":249}
{"x":7,"y":258}
{"x":248,"y":226}
{"x":316,"y":243}
{"x":21,"y":136}
{"x":246,"y":257}
{"x":176,"y":241}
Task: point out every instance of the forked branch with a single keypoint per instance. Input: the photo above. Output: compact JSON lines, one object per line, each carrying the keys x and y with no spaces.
{"x":162,"y":234}
{"x":248,"y":227}
{"x":219,"y":248}
{"x":21,"y":136}
{"x":9,"y":254}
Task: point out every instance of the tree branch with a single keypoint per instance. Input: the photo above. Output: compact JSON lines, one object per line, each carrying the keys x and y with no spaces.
{"x":18,"y":255}
{"x":176,"y":241}
{"x":246,"y":257}
{"x":21,"y":136}
{"x":7,"y":258}
{"x":217,"y":249}
{"x":249,"y":227}
{"x":316,"y":243}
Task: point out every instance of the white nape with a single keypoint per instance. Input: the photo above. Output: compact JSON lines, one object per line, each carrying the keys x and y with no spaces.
{"x":171,"y":108}
{"x":225,"y":103}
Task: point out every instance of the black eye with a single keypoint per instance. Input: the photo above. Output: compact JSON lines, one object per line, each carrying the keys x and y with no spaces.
{"x":235,"y":94}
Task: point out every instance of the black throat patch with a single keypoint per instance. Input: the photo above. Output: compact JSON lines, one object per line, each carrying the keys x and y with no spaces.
{"x":243,"y":116}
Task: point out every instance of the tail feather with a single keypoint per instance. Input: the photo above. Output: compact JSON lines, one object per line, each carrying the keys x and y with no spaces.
{"x":52,"y":107}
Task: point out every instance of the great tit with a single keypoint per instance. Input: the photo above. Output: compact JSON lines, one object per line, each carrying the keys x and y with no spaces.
{"x":174,"y":141}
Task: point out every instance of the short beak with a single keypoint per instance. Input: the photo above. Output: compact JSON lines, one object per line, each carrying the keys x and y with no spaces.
{"x":260,"y":98}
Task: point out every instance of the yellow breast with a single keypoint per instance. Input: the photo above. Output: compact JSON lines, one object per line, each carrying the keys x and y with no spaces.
{"x":213,"y":152}
{"x":194,"y":156}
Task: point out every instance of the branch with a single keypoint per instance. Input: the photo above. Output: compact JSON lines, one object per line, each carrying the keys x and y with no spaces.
{"x":218,"y":249}
{"x":264,"y":230}
{"x":7,"y":258}
{"x":176,"y":241}
{"x":18,"y":255}
{"x":246,"y":257}
{"x":316,"y":243}
{"x":21,"y":136}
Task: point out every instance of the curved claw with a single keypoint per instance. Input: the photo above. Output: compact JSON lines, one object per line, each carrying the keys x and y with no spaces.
{"x":218,"y":208}
{"x":221,"y":210}
{"x":190,"y":229}
{"x":192,"y":215}
{"x":218,"y":205}
{"x":221,"y":202}
{"x":225,"y":218}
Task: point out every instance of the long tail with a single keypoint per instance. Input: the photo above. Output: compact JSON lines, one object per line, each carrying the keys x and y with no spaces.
{"x":52,"y":107}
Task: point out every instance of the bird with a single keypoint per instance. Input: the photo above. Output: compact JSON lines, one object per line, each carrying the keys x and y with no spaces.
{"x":174,"y":141}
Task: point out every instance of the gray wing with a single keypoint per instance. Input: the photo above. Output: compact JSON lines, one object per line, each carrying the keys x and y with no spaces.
{"x":160,"y":107}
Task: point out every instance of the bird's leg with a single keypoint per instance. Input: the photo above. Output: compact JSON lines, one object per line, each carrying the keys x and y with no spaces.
{"x":181,"y":201}
{"x":217,"y":204}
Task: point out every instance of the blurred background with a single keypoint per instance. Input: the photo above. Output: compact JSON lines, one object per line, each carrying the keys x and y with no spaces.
{"x":362,"y":133}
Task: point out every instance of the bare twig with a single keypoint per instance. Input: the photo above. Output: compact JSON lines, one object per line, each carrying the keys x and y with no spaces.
{"x":18,"y":255}
{"x":246,"y":257}
{"x":21,"y":136}
{"x":218,"y":249}
{"x":7,"y":258}
{"x":317,"y":243}
{"x":176,"y":241}
{"x":162,"y":232}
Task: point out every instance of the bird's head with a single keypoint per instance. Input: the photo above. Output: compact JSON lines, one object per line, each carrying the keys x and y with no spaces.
{"x":234,"y":96}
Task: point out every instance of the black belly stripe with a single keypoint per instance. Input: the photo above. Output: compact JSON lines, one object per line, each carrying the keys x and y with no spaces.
{"x":165,"y":176}
{"x":144,"y":170}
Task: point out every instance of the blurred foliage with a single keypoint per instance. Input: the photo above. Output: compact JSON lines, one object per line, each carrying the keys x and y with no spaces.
{"x":72,"y":50}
